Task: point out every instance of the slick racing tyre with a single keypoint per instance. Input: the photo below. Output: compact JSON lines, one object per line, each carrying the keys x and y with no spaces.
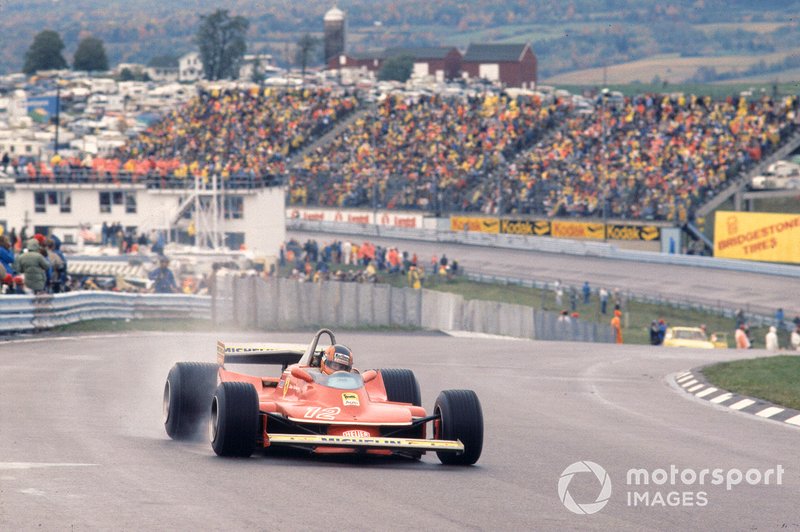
{"x":460,"y":418}
{"x":401,"y":386}
{"x":187,"y":398}
{"x":234,"y":419}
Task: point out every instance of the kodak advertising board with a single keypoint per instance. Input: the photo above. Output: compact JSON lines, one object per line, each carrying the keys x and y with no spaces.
{"x":757,"y":236}
{"x":594,"y":231}
{"x":475,"y":224}
{"x":525,"y":227}
{"x":632,"y":232}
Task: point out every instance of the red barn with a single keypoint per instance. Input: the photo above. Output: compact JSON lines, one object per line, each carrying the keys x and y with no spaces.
{"x":441,"y":62}
{"x":511,"y":64}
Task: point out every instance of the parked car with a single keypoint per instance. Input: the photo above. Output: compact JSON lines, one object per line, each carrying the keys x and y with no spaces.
{"x":694,"y":337}
{"x":779,"y":175}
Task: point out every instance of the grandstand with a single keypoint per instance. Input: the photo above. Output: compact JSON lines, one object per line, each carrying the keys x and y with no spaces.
{"x":651,"y":158}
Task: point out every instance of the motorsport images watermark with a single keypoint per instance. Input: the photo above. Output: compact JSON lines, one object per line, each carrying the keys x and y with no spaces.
{"x":667,"y":487}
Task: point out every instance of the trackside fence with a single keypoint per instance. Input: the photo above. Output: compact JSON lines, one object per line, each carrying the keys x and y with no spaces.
{"x":20,"y":313}
{"x":284,"y":304}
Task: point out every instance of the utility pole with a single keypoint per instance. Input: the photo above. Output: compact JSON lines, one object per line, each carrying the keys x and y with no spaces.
{"x":604,"y":160}
{"x":58,"y":113}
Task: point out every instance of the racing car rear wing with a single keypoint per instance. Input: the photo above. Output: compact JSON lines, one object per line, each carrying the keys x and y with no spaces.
{"x":259,"y":353}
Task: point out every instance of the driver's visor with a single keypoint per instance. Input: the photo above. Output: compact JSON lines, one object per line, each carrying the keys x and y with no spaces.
{"x":337,"y":366}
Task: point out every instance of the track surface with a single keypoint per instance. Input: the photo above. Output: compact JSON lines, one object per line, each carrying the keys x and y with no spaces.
{"x":710,"y":286}
{"x":82,"y":444}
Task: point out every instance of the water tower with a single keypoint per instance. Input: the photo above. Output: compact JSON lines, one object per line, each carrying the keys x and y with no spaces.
{"x":334,"y":32}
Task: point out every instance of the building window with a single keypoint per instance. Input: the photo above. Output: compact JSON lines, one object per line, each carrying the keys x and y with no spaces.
{"x":39,"y":202}
{"x":234,"y":207}
{"x":105,"y":202}
{"x":117,"y":197}
{"x":130,"y":202}
{"x":2,"y":198}
{"x":65,"y":201}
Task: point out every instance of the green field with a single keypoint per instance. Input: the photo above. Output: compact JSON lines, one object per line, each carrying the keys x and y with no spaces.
{"x":636,"y":319}
{"x":775,"y":379}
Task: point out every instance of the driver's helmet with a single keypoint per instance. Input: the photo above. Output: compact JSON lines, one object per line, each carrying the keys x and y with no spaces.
{"x":336,"y":358}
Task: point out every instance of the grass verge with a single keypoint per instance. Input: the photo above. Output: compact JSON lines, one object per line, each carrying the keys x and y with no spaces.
{"x":775,"y":379}
{"x":112,"y":325}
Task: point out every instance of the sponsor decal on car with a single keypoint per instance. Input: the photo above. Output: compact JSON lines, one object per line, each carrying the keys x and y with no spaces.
{"x":286,"y":386}
{"x":356,"y":434}
{"x":350,"y":399}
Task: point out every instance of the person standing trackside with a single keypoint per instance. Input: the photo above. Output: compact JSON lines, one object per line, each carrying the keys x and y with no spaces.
{"x":742,"y":341}
{"x":616,"y":325}
{"x":794,"y":340}
{"x":163,"y":277}
{"x":587,"y":292}
{"x":603,"y":293}
{"x":771,"y":339}
{"x":33,"y":266}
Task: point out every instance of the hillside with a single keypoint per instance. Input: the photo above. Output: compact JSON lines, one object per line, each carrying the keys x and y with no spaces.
{"x":568,"y":37}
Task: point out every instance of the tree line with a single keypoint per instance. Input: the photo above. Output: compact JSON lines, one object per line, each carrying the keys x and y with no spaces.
{"x":220,"y":39}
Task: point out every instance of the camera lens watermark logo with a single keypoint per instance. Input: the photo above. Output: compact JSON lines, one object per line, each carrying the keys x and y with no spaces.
{"x":585,"y":508}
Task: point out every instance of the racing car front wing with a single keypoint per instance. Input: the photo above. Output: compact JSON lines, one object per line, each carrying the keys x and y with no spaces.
{"x":308,"y":440}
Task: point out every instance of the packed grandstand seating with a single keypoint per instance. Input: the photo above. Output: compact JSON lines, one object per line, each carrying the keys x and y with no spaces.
{"x":423,"y":152}
{"x":241,"y":135}
{"x":652,"y":157}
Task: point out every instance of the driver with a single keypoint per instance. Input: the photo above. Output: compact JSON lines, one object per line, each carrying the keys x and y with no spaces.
{"x":336,"y":358}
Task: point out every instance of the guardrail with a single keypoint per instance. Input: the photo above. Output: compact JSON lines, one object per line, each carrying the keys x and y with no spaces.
{"x":19,"y":313}
{"x":544,"y":244}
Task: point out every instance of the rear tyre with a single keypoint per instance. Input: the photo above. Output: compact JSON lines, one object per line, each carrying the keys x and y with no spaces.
{"x":460,"y":418}
{"x":234,"y":419}
{"x":401,"y":386}
{"x":187,"y":398}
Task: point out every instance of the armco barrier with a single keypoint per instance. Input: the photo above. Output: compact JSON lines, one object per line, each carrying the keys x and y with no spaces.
{"x":285,"y":304}
{"x":26,"y":313}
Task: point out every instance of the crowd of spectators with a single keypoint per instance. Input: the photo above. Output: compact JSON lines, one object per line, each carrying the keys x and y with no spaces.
{"x":423,"y":151}
{"x":33,"y":265}
{"x":343,"y":260}
{"x":233,"y":131}
{"x":230,"y":133}
{"x":651,"y":157}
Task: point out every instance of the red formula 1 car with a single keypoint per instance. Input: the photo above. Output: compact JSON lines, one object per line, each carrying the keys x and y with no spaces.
{"x":376,"y":412}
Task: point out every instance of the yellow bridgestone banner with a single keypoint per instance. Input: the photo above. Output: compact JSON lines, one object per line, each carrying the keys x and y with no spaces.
{"x":475,"y":224}
{"x":757,"y":236}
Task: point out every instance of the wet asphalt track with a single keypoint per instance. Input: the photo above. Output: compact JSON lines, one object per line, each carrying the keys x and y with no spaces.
{"x":729,"y":289}
{"x":82,"y":445}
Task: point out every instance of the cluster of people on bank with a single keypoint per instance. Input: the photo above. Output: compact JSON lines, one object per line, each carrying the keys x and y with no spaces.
{"x":37,"y":267}
{"x":343,"y":260}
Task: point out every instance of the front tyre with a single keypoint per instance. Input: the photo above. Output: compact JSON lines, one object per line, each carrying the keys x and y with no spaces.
{"x":401,"y":386}
{"x":460,"y":418}
{"x":187,"y":398}
{"x":234,"y":419}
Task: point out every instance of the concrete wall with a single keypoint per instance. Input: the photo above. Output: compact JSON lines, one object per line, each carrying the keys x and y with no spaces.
{"x":286,"y":304}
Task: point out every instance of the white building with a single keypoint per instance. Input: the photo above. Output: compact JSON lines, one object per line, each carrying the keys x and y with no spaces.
{"x":162,"y":73}
{"x":190,"y":67}
{"x":252,"y":217}
{"x":261,"y":63}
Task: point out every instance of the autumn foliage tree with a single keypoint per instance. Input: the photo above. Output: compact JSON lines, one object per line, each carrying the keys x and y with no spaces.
{"x":45,"y":53}
{"x":220,"y":39}
{"x":90,"y":55}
